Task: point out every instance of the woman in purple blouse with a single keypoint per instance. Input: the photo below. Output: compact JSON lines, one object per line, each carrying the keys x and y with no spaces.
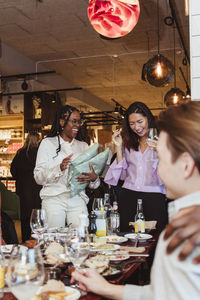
{"x":134,"y":165}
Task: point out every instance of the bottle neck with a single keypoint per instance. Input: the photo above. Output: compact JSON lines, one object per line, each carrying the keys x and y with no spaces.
{"x":139,"y":207}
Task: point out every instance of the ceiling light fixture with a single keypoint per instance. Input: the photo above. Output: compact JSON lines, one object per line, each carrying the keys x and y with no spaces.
{"x":113,"y":18}
{"x":158,"y":71}
{"x":24,"y":85}
{"x":175,"y":96}
{"x":116,"y":111}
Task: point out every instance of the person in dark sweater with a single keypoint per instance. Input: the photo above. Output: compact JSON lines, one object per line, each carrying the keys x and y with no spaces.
{"x":27,"y":189}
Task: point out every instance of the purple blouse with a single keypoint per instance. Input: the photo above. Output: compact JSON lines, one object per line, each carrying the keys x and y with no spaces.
{"x":138,"y":171}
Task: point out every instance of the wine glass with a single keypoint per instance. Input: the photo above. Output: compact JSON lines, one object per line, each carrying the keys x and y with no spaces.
{"x":38,"y":222}
{"x":25,"y":273}
{"x":152,"y":141}
{"x":76,"y":250}
{"x":97,"y":204}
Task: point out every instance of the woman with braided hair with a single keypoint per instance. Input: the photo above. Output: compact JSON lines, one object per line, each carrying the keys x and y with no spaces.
{"x":135,"y":166}
{"x":53,"y":159}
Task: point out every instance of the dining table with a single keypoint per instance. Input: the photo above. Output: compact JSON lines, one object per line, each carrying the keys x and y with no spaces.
{"x":129,"y":267}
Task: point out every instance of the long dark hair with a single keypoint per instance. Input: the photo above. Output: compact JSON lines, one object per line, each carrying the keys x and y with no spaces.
{"x":31,"y":145}
{"x":130,"y":138}
{"x":64,"y":113}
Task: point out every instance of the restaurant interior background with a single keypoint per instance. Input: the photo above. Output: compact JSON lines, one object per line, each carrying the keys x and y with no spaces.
{"x":51,"y":55}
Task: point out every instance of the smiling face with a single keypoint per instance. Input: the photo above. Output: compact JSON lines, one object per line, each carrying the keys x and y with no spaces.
{"x":72,"y":127}
{"x":139,"y":124}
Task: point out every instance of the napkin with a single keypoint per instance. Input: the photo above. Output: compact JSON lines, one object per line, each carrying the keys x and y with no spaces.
{"x":148,"y":224}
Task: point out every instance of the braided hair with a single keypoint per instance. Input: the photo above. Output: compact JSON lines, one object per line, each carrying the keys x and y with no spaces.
{"x":64,"y":113}
{"x":130,"y":138}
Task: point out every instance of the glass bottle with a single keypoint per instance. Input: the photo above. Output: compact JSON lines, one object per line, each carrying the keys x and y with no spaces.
{"x":115,"y":218}
{"x":107,"y":205}
{"x":92,"y":223}
{"x":101,"y":222}
{"x":139,"y":218}
{"x":83,"y":227}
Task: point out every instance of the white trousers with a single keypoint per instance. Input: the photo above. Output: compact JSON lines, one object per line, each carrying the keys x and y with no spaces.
{"x":61,"y":209}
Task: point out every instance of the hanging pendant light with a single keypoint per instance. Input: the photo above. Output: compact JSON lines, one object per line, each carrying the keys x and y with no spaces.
{"x":175,"y":96}
{"x":158,"y":71}
{"x":113,"y":18}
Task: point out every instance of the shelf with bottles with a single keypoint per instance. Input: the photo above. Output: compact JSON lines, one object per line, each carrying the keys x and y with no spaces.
{"x":11,"y":134}
{"x":9,"y":183}
{"x":11,"y":139}
{"x":9,"y":147}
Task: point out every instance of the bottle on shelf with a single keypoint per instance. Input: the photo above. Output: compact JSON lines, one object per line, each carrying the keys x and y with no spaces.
{"x":115,"y":218}
{"x":139,"y":218}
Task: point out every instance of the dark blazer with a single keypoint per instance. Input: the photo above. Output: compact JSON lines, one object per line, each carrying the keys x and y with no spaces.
{"x":27,"y":189}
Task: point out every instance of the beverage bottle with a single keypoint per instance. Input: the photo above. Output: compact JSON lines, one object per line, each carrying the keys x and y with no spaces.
{"x":115,"y":218}
{"x":101,"y":222}
{"x":83,"y":227}
{"x":92,"y":223}
{"x":107,"y":205}
{"x":139,"y":218}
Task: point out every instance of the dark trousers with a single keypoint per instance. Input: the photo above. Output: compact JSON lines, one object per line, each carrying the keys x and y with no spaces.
{"x":25,"y":228}
{"x":8,"y":229}
{"x":154,"y":208}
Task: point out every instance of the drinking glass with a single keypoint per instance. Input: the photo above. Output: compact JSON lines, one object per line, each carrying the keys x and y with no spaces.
{"x":76,"y":250}
{"x":25,"y":273}
{"x":152,"y":141}
{"x":38,"y":222}
{"x":97,"y":204}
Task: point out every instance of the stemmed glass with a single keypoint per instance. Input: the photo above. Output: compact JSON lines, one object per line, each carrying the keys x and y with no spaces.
{"x":152,"y":140}
{"x":97,"y":204}
{"x":76,"y":250}
{"x":25,"y":273}
{"x":38,"y":222}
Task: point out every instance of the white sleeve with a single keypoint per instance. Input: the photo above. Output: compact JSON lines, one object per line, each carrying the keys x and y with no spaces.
{"x":94,"y":184}
{"x":47,"y":169}
{"x":137,"y":292}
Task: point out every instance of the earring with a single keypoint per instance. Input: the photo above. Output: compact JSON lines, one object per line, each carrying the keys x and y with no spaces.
{"x":62,"y":128}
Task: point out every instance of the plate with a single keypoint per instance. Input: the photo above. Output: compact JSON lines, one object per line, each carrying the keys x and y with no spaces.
{"x":143,"y":237}
{"x":76,"y":294}
{"x":114,"y":273}
{"x":115,"y":239}
{"x":118,"y":257}
{"x":104,"y":247}
{"x":62,"y":261}
{"x":8,"y":248}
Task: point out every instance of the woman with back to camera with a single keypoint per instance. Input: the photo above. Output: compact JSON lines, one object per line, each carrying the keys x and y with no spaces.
{"x":27,"y":189}
{"x":134,"y":165}
{"x":53,"y":159}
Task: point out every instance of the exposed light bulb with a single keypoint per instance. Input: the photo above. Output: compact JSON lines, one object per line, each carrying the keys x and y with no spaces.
{"x":159,"y":70}
{"x":175,"y":99}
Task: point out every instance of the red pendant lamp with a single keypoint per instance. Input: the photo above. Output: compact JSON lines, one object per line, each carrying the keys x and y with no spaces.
{"x":113,"y":18}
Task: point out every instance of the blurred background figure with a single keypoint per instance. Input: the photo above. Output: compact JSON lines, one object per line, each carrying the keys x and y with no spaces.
{"x":27,"y":189}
